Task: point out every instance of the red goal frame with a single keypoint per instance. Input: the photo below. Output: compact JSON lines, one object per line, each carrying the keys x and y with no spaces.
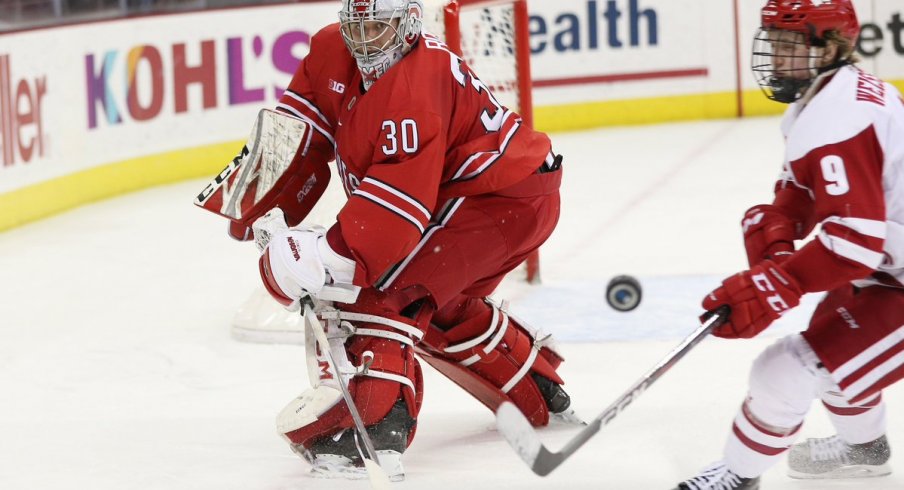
{"x":452,"y":25}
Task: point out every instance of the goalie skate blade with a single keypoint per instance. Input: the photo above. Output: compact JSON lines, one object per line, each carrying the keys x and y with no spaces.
{"x":518,"y":432}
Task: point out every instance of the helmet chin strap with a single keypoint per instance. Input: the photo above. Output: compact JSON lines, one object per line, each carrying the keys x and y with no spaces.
{"x":788,"y":90}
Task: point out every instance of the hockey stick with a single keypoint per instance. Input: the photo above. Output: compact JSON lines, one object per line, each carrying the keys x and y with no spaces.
{"x":378,"y":478}
{"x":523,"y":438}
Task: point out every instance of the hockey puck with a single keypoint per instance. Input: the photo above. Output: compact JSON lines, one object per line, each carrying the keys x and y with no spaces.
{"x":623,"y":293}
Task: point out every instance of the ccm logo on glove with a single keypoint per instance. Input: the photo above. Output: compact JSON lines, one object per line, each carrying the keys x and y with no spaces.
{"x":757,"y":298}
{"x":778,"y":304}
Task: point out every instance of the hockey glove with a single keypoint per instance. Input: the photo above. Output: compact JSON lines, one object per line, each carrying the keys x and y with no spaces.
{"x":299,"y":261}
{"x":768,"y":234}
{"x":267,"y":226}
{"x":757,"y":297}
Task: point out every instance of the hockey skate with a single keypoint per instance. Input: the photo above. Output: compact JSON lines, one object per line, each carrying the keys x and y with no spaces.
{"x":339,"y":456}
{"x":718,"y":477}
{"x":830,"y":457}
{"x":557,"y":401}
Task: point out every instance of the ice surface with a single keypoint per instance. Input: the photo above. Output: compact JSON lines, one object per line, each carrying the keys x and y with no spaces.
{"x":117,"y":370}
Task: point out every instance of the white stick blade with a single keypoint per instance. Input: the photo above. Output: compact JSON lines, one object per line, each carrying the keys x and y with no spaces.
{"x":516,"y":429}
{"x":378,"y":478}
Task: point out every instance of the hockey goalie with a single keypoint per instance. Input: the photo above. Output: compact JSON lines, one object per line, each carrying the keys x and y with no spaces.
{"x":447,"y":191}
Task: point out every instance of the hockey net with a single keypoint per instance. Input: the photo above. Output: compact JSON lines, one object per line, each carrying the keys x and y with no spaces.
{"x":492,"y":37}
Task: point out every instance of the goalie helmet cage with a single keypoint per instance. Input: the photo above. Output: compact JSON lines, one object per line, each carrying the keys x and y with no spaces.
{"x":492,"y":37}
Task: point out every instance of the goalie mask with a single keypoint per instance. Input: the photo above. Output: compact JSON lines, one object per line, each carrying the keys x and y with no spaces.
{"x":378,"y":33}
{"x":790,"y":47}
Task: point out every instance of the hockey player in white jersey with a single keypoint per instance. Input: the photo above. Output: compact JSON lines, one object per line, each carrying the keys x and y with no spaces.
{"x":843,"y":173}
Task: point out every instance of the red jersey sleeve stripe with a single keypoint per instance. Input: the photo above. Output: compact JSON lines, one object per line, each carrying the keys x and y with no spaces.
{"x":850,"y":250}
{"x":398,"y":194}
{"x":479,"y":162}
{"x":443,"y":217}
{"x":391,"y":208}
{"x":286,"y":108}
{"x":400,"y":202}
{"x":310,"y":105}
{"x":868,"y":227}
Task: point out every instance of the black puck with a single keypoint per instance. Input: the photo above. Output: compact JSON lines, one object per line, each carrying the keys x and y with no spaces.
{"x":623,"y":293}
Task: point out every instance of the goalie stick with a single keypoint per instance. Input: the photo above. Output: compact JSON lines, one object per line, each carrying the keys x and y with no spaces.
{"x":523,"y":438}
{"x":378,"y":478}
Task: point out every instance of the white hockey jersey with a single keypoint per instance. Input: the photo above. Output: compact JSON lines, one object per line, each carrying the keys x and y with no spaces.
{"x":845,"y":147}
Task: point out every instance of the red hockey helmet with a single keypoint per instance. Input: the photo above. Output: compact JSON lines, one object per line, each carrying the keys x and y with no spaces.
{"x":812,"y":17}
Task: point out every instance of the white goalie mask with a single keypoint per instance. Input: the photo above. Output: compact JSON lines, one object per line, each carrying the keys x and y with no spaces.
{"x":378,"y":33}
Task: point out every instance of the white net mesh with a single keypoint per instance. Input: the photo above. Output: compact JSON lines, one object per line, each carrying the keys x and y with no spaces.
{"x":487,"y":32}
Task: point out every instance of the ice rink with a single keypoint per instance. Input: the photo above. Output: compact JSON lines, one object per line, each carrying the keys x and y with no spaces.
{"x":117,"y":370}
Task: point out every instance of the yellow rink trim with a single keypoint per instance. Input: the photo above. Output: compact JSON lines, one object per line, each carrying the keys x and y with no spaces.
{"x":48,"y":198}
{"x":588,"y":115}
{"x":38,"y":201}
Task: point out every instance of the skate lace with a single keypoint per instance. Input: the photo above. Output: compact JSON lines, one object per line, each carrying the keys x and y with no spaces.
{"x":714,"y":477}
{"x":829,"y":449}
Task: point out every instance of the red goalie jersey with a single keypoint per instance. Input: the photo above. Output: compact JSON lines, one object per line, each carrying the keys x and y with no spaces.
{"x":848,"y":176}
{"x":427,"y":130}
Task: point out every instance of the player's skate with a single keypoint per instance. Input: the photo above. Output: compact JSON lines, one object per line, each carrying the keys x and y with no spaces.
{"x":384,"y":381}
{"x":339,"y":456}
{"x":718,"y":477}
{"x":830,"y":457}
{"x":557,"y":401}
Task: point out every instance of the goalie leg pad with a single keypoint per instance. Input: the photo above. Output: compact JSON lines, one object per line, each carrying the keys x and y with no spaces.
{"x":493,"y":356}
{"x":386,"y":386}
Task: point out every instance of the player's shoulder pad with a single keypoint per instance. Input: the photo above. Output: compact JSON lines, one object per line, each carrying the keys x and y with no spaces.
{"x":327,"y":49}
{"x":844,"y":108}
{"x":328,"y":39}
{"x":426,"y":70}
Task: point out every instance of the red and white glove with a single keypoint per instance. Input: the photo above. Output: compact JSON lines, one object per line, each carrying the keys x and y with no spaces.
{"x":757,"y":297}
{"x":299,"y":261}
{"x":768,"y":234}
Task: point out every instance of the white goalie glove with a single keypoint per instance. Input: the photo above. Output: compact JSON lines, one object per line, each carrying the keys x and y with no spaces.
{"x":268,"y":225}
{"x":298,"y":261}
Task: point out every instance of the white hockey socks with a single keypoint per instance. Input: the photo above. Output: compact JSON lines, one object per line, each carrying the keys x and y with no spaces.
{"x":856,"y":424}
{"x":784,"y":381}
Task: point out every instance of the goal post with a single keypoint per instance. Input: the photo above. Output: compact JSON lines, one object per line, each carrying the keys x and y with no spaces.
{"x":492,"y":36}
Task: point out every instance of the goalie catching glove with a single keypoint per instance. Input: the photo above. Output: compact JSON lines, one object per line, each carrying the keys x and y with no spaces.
{"x":756,"y":297}
{"x":298,"y":261}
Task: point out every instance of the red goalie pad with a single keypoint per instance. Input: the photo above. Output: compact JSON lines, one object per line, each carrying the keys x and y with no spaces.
{"x":492,"y":356}
{"x":273,"y":169}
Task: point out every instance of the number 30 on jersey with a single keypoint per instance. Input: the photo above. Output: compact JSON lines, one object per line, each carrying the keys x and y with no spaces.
{"x":400,"y":137}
